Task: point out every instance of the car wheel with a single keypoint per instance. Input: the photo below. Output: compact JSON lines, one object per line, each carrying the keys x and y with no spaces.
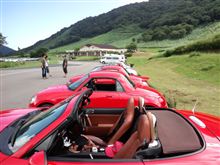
{"x":46,"y":105}
{"x":103,"y":62}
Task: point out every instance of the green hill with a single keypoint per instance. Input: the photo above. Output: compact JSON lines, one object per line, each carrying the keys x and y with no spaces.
{"x":154,"y":20}
{"x":123,"y":36}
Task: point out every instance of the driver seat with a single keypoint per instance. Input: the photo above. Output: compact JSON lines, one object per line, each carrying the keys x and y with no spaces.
{"x":121,"y":126}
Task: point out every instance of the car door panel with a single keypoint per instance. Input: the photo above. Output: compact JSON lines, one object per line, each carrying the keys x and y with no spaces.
{"x":99,"y":99}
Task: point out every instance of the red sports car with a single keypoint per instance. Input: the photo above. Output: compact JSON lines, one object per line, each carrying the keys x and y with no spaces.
{"x":40,"y":136}
{"x":109,"y":87}
{"x":139,"y":81}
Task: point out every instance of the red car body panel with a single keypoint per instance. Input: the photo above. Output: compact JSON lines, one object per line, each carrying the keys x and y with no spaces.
{"x":118,"y":99}
{"x":137,"y":81}
{"x":7,"y":117}
{"x":122,"y":70}
{"x":140,"y":81}
{"x":210,"y":154}
{"x":212,"y":122}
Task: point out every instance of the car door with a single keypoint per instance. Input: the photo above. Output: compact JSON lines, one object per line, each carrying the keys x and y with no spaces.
{"x":105,"y":94}
{"x":107,"y":99}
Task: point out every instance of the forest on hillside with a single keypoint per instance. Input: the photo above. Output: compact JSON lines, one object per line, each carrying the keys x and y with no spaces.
{"x":160,"y":19}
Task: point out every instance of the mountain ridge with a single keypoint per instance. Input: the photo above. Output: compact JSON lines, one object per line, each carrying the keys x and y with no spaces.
{"x":5,"y":51}
{"x":154,"y":17}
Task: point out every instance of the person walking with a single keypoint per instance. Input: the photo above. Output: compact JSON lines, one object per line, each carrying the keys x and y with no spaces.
{"x":47,"y":65}
{"x":65,"y":63}
{"x":43,"y":67}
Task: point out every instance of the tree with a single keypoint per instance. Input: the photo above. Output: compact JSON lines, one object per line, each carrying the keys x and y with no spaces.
{"x":39,"y":53}
{"x":133,"y":40}
{"x":2,"y":40}
{"x":132,"y":47}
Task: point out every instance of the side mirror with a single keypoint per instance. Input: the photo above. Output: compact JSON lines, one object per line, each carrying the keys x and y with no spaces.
{"x":38,"y":158}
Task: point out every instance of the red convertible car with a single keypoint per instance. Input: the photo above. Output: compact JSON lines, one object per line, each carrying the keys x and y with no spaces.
{"x":44,"y":136}
{"x":109,"y":87}
{"x":139,"y":81}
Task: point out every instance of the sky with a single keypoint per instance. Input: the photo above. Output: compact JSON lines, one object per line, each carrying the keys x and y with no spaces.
{"x":24,"y":22}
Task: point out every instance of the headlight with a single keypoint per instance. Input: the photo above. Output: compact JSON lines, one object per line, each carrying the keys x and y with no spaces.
{"x":33,"y":99}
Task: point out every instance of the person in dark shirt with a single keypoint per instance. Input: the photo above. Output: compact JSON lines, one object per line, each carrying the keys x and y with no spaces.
{"x":65,"y":63}
{"x":43,"y":67}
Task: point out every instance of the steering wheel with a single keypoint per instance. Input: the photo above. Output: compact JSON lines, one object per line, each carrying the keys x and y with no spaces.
{"x":80,"y":114}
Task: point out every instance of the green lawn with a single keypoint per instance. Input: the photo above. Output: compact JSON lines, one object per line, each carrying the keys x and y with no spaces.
{"x":184,"y":79}
{"x":53,"y":59}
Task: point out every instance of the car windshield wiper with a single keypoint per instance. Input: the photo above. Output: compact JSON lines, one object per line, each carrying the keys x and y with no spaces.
{"x":17,"y":129}
{"x":20,"y":124}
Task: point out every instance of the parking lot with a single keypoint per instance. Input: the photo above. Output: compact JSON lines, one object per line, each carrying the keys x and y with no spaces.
{"x":17,"y":86}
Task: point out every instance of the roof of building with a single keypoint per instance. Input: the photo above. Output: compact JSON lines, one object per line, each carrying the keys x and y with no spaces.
{"x":103,"y":46}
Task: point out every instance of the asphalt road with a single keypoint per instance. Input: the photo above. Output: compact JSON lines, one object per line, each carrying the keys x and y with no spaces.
{"x":17,"y":86}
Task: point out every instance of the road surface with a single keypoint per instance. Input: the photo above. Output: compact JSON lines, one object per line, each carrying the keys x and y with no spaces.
{"x":17,"y":86}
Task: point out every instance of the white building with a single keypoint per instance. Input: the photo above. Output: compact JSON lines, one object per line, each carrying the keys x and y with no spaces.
{"x":99,"y":50}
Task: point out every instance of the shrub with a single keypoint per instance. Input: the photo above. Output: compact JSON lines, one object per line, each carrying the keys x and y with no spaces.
{"x":128,"y":55}
{"x":10,"y":64}
{"x":204,"y":45}
{"x":132,"y":47}
{"x":39,"y":52}
{"x":207,"y":68}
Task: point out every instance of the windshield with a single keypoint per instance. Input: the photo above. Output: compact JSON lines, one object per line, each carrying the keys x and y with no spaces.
{"x":98,"y":68}
{"x":77,"y":83}
{"x":36,"y":125}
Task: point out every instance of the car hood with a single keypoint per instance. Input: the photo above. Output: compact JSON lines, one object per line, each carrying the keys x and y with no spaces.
{"x":54,"y":89}
{"x":148,"y":92}
{"x":151,"y":96}
{"x":9,"y":116}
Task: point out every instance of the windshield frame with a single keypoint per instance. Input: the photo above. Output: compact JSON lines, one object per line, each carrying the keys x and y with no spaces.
{"x":128,"y":81}
{"x":40,"y":121}
{"x":73,"y":86}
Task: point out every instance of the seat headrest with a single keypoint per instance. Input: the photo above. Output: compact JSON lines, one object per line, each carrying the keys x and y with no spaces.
{"x":143,"y":128}
{"x":130,"y":107}
{"x":141,"y":104}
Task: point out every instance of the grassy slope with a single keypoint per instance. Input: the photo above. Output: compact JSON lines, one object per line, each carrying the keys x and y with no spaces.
{"x":180,"y":77}
{"x":200,"y":33}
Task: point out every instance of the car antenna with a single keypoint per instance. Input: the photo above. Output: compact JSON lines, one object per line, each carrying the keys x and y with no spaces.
{"x":194,"y":107}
